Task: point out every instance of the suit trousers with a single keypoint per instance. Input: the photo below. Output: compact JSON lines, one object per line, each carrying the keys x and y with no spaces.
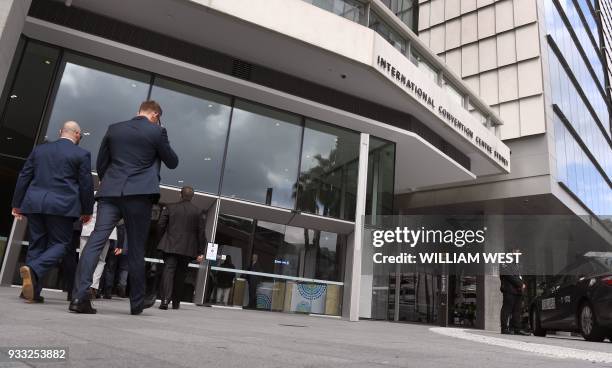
{"x":50,"y":240}
{"x":97,"y":275}
{"x":173,"y":277}
{"x":136,"y":213}
{"x":511,"y":312}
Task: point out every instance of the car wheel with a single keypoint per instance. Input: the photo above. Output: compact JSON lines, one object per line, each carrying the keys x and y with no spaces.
{"x":536,"y":327}
{"x":587,"y":320}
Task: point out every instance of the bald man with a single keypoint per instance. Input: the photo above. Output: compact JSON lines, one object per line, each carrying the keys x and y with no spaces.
{"x":54,"y":188}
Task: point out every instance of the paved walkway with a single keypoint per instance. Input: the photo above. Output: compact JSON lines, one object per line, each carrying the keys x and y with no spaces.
{"x":216,"y":337}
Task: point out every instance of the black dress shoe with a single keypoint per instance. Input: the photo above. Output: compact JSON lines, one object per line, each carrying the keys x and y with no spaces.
{"x":176,"y":304}
{"x":507,"y":332}
{"x":163,"y":305}
{"x":37,"y":299}
{"x":69,"y":296}
{"x":521,"y":333}
{"x":81,"y":306}
{"x":28,"y":282}
{"x":107,"y":294}
{"x":149,"y":302}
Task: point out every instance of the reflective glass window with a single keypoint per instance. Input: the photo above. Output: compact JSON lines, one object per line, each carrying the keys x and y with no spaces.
{"x":96,"y":94}
{"x":388,"y":33}
{"x":262,"y":155}
{"x":405,"y":10}
{"x":353,"y":10}
{"x":26,"y":99}
{"x":381,"y":176}
{"x":327,"y":184}
{"x":197,"y":121}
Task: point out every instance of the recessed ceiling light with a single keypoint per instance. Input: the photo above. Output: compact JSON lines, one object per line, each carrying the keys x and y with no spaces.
{"x":47,"y":62}
{"x":13,"y":96}
{"x":9,"y":138}
{"x":207,"y":158}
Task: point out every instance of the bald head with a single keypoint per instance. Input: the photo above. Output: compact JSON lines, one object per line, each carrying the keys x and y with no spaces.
{"x":71,"y":130}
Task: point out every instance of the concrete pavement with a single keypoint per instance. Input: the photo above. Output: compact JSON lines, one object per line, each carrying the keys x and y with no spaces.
{"x":215,"y":337}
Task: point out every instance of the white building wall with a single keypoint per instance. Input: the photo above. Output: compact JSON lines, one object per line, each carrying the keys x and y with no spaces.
{"x":495,"y":47}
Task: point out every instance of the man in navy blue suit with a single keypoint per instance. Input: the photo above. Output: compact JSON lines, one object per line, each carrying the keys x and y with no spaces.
{"x":54,"y":188}
{"x":128,"y":167}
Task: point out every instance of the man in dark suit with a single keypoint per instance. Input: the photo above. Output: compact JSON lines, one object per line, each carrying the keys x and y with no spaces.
{"x":54,"y":188}
{"x":182,"y":227}
{"x":128,"y":167}
{"x":254,"y":281}
{"x":512,"y":287}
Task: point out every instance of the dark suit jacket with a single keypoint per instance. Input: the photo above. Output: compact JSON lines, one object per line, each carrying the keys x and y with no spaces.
{"x":129,"y":159}
{"x":56,"y":180}
{"x":511,"y":281}
{"x":182,"y":227}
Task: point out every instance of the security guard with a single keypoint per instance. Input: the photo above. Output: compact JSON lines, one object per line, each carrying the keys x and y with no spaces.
{"x":512,"y":287}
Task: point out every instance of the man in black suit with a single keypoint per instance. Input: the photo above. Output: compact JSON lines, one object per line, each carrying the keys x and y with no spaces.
{"x":512,"y":287}
{"x":54,"y":188}
{"x":128,"y":167}
{"x":182,"y":227}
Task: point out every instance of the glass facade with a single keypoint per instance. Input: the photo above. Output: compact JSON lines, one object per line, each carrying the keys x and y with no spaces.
{"x":353,"y":10}
{"x":227,"y":146}
{"x":271,"y":266}
{"x":84,"y":95}
{"x":581,"y":117}
{"x":379,"y":196}
{"x":405,"y":10}
{"x":327,"y":184}
{"x":259,"y":133}
{"x":23,"y":111}
{"x":198,"y":120}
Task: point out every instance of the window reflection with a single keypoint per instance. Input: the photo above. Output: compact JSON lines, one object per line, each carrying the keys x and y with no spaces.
{"x":381,"y":176}
{"x":405,"y":10}
{"x":96,"y":95}
{"x":385,"y":30}
{"x":353,"y":10}
{"x":26,"y":100}
{"x":262,"y":155}
{"x":328,"y":178}
{"x":197,"y":121}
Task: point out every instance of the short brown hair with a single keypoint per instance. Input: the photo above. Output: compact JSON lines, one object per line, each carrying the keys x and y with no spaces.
{"x":150,"y":106}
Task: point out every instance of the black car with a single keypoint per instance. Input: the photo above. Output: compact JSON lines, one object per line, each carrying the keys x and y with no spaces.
{"x":579,"y":299}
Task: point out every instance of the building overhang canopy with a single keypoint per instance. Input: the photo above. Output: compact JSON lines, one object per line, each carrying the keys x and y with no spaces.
{"x":299,"y":39}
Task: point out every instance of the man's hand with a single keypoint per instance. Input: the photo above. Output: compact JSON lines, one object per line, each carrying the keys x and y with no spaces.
{"x":16,"y":212}
{"x":85,"y":218}
{"x":118,"y":251}
{"x":200,"y":258}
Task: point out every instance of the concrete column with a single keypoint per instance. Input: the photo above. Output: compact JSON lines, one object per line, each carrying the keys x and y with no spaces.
{"x":13,"y":249}
{"x":212,"y":216}
{"x":12,"y":19}
{"x":352,"y":277}
{"x":489,"y":298}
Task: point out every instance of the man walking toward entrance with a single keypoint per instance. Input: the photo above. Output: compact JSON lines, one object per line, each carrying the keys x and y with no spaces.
{"x":54,"y":188}
{"x":128,"y":167}
{"x":182,"y":227}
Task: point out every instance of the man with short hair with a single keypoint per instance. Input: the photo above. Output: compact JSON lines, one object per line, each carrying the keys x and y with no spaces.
{"x":128,"y":167}
{"x":54,"y":188}
{"x":512,"y":287}
{"x":182,"y":227}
